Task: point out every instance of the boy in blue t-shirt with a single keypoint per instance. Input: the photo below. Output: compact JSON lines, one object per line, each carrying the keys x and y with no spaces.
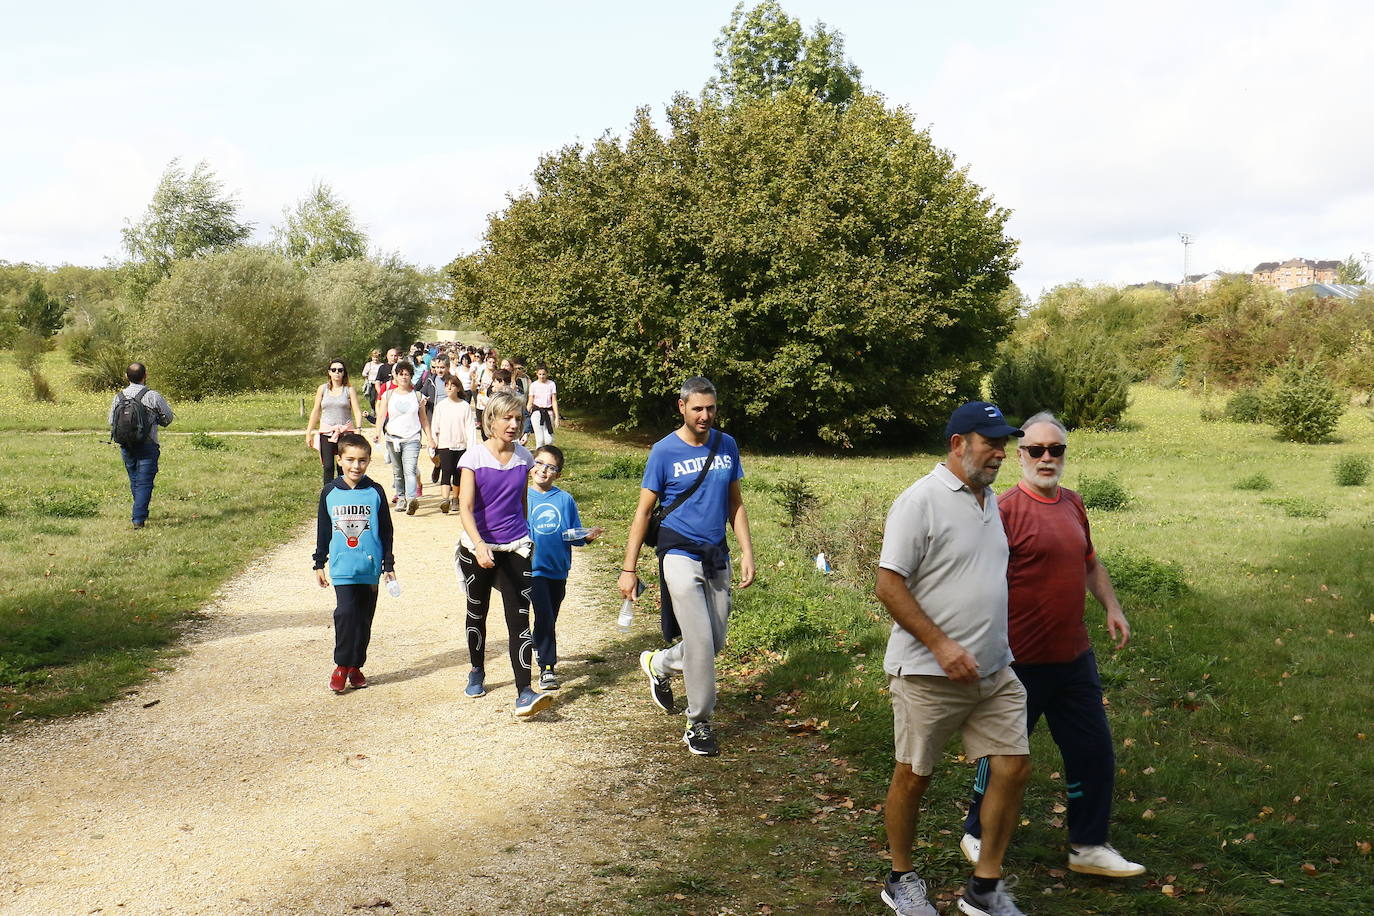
{"x":551,"y":512}
{"x":353,"y":534}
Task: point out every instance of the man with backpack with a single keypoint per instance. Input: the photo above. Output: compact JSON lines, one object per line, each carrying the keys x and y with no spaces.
{"x":135,"y":415}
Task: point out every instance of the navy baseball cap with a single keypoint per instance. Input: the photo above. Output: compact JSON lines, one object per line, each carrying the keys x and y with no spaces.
{"x":980,"y":417}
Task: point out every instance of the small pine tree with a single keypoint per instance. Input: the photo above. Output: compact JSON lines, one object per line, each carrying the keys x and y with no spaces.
{"x":1304,"y":405}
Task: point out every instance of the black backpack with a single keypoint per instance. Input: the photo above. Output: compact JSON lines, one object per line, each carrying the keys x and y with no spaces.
{"x":133,"y":420}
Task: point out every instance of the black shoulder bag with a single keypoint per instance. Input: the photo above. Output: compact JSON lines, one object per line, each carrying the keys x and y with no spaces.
{"x":661,"y":512}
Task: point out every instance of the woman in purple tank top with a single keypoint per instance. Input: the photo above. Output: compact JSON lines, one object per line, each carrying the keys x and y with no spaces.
{"x":495,"y":547}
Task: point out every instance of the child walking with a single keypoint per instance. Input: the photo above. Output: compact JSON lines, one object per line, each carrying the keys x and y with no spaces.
{"x":551,"y":513}
{"x":353,"y":535}
{"x":454,"y":431}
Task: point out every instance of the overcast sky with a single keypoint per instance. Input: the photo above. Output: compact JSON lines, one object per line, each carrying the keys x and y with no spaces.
{"x":1107,"y":128}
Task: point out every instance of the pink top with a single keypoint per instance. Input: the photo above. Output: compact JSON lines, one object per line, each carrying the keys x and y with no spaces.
{"x":543,"y":393}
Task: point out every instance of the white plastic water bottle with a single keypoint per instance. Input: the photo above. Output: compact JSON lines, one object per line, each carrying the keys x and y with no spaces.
{"x":627,"y":616}
{"x":576,"y":534}
{"x":393,"y":587}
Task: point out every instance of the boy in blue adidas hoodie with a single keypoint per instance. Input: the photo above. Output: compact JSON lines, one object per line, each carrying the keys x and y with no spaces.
{"x":353,"y":535}
{"x":551,"y":512}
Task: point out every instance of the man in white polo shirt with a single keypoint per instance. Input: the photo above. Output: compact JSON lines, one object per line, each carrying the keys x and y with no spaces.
{"x":942,"y":575}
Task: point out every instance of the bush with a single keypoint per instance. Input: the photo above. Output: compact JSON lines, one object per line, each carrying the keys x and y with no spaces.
{"x":792,"y":250}
{"x":1304,"y":405}
{"x":797,"y":497}
{"x":42,"y":390}
{"x":1245,"y":406}
{"x":98,"y":345}
{"x":1142,"y":580}
{"x":852,"y":544}
{"x":1085,"y":385}
{"x":363,"y":303}
{"x":1104,"y":493}
{"x":66,"y":504}
{"x":208,"y":443}
{"x":1298,"y":506}
{"x":624,"y":467}
{"x":28,"y":350}
{"x":1256,"y":481}
{"x":1352,"y":470}
{"x":229,"y":322}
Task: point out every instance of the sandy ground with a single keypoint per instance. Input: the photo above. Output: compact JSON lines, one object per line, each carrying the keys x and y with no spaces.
{"x":237,"y":783}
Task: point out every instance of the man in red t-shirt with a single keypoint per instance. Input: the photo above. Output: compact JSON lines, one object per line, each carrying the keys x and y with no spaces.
{"x":1051,"y":568}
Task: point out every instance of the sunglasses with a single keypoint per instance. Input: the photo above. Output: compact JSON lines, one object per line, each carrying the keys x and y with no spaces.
{"x":336,"y":368}
{"x":1037,"y":451}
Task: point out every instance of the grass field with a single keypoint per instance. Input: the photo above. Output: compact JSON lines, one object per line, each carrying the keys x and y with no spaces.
{"x":1241,"y":709}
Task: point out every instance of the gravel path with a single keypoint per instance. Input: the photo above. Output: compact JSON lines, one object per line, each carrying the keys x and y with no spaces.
{"x":237,"y":784}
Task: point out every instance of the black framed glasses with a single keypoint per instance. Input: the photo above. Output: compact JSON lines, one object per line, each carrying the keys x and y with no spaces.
{"x":1037,"y":451}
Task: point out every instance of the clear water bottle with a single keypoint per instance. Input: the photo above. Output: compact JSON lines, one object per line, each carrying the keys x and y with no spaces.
{"x":393,"y":587}
{"x":627,"y":616}
{"x":576,"y":534}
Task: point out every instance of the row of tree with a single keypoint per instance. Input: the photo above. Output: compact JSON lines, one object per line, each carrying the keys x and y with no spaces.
{"x":216,"y":314}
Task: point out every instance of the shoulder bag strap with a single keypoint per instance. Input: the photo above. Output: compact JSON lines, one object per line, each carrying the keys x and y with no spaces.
{"x":701,"y":476}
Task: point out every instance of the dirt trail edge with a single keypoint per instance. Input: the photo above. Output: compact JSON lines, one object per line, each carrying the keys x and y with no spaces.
{"x":237,"y":784}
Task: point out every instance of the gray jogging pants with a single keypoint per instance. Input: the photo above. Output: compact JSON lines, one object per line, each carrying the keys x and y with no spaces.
{"x":702,"y":607}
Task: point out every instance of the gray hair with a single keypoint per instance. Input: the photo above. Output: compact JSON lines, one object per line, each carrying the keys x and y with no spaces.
{"x":1045,"y":416}
{"x":697,"y":384}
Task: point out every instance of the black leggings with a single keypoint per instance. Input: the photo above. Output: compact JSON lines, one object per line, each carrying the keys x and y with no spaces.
{"x":448,"y":465}
{"x":511,"y":576}
{"x":328,"y":456}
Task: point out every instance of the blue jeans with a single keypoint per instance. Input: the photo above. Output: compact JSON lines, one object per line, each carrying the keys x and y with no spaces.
{"x":405,"y":459}
{"x":141,"y":463}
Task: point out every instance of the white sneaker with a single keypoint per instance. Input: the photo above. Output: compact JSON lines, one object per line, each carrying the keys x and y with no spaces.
{"x":907,"y":896}
{"x":1102,"y":860}
{"x":971,"y":846}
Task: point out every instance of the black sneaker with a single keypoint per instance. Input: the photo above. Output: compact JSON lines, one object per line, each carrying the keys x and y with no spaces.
{"x":660,"y":691}
{"x":701,"y":739}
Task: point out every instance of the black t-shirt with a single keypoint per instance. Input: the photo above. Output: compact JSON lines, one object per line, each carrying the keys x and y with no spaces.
{"x":384,"y":373}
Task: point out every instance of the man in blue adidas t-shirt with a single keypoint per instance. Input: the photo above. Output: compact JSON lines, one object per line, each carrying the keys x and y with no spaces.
{"x":694,"y":558}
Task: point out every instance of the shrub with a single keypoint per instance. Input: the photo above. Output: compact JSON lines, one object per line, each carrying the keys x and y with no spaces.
{"x":28,"y":350}
{"x":66,"y":504}
{"x":852,"y":544}
{"x":1298,"y":506}
{"x":98,"y":345}
{"x":797,"y":497}
{"x":624,"y":467}
{"x":223,"y":323}
{"x":1245,"y":406}
{"x":42,"y":391}
{"x":208,"y":443}
{"x":1143,"y":580}
{"x":363,"y":302}
{"x":1305,"y":406}
{"x":1256,"y":481}
{"x":1085,"y":385}
{"x":1104,"y":493}
{"x":1352,"y":470}
{"x":1209,"y":414}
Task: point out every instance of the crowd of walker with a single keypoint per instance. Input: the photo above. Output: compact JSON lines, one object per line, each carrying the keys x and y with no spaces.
{"x":986,"y":592}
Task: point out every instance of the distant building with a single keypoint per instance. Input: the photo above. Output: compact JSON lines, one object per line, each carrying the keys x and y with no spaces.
{"x":1333,"y":290}
{"x":1295,"y":273}
{"x":1202,"y":283}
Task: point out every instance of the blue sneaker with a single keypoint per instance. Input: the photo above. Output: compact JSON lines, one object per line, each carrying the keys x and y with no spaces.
{"x":530,"y":703}
{"x":475,"y":687}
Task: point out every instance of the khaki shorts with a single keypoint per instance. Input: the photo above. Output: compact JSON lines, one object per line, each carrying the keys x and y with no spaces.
{"x":927,"y":709}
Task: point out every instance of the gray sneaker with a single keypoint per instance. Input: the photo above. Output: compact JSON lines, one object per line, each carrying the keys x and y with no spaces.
{"x":548,"y":680}
{"x":998,"y":903}
{"x":907,"y":896}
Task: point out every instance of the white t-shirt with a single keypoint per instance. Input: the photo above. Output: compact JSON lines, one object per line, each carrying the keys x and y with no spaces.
{"x":543,"y":393}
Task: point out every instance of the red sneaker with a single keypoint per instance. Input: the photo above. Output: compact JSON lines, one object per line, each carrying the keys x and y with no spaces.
{"x":338,"y":680}
{"x":356,"y":678}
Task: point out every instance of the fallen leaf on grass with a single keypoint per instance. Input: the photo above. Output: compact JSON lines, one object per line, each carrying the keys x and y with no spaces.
{"x":1309,"y":869}
{"x":1277,"y":882}
{"x":1364,"y":847}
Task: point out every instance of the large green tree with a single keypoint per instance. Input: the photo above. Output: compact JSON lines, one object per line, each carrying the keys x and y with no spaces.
{"x":763,"y":51}
{"x":38,"y":312}
{"x":189,"y":215}
{"x":319,"y":229}
{"x":828,"y":266}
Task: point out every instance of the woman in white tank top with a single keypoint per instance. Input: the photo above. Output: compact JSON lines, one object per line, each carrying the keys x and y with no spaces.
{"x":401,"y":414}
